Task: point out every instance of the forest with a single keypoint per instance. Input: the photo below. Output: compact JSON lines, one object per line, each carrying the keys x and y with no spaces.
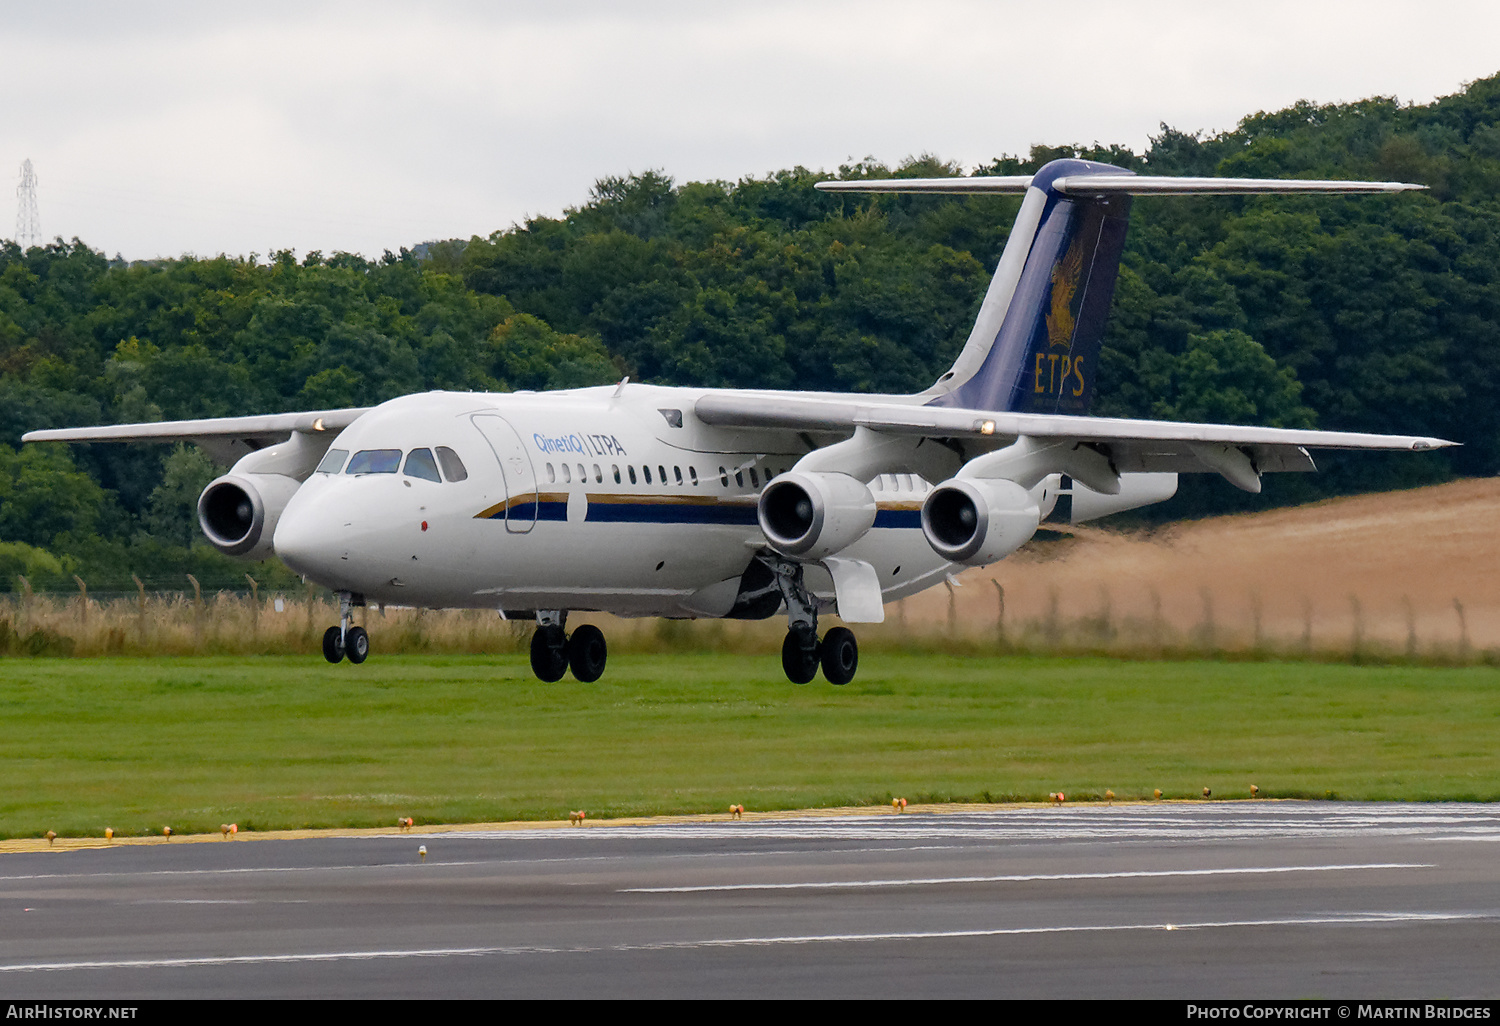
{"x":1364,"y":313}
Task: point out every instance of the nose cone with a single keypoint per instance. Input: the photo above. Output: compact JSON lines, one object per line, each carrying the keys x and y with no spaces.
{"x":311,"y":538}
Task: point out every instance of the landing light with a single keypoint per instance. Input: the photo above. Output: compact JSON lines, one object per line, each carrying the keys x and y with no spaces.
{"x":987,"y":428}
{"x":318,"y":425}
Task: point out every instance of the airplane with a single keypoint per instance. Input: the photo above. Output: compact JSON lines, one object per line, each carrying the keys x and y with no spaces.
{"x":645,"y":500}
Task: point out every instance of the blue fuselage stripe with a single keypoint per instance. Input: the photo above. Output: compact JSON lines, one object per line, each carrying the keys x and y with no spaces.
{"x":902,"y":518}
{"x":670,"y":513}
{"x":678,"y":513}
{"x":556,"y":511}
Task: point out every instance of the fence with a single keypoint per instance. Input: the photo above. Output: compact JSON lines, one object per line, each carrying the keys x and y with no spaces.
{"x":975,"y":619}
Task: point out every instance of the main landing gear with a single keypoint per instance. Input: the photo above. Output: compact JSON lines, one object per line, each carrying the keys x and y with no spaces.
{"x":802,"y":653}
{"x":554,"y":652}
{"x":344,"y":640}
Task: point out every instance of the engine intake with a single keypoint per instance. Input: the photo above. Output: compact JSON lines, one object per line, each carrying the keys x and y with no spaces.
{"x":977,"y":521}
{"x":815,"y":515}
{"x":238,"y":513}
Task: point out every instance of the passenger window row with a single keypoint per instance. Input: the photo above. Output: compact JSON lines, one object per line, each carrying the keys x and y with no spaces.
{"x":419,"y":463}
{"x":739,"y":476}
{"x":566,"y":473}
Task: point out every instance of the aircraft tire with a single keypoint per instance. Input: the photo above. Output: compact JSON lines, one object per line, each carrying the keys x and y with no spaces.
{"x":549,"y":654}
{"x":798,"y":660}
{"x":587,"y":653}
{"x":840,"y":653}
{"x":333,"y":645}
{"x":357,"y":645}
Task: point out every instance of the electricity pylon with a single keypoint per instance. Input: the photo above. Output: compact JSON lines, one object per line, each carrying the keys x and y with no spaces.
{"x":28,"y":221}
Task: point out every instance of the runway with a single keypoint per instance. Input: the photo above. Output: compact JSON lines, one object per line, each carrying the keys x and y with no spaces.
{"x":1232,"y":900}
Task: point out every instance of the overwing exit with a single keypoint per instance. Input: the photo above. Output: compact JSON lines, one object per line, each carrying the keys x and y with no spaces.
{"x":642,"y":500}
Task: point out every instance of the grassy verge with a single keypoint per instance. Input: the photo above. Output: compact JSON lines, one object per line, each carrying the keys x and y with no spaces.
{"x":276,"y":742}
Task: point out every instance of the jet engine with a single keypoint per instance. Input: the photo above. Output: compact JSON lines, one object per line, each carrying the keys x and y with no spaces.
{"x":238,"y":512}
{"x":978,"y":521}
{"x":813,"y":515}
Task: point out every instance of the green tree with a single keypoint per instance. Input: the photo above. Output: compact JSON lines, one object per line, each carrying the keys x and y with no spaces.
{"x":43,"y":496}
{"x":172,"y":516}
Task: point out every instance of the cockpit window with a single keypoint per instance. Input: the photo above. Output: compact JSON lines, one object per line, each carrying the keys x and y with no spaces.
{"x":419,"y":463}
{"x":334,"y":461}
{"x":453,"y":467}
{"x":375,"y":461}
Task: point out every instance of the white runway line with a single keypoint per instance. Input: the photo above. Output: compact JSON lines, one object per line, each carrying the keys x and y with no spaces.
{"x":1349,"y":919}
{"x":240,"y":870}
{"x":1157,"y":823}
{"x":438,"y":863}
{"x":1016,"y":878}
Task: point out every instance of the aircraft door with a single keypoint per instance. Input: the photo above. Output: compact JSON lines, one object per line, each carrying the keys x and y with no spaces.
{"x":515,"y":466}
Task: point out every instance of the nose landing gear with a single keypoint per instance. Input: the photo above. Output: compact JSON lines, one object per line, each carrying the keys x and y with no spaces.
{"x":554,"y":652}
{"x":333,"y":644}
{"x":343,"y":640}
{"x":587,"y":653}
{"x":549,"y":653}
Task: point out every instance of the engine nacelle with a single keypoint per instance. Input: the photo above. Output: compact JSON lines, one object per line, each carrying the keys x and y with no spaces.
{"x":812,"y":515}
{"x":238,"y":512}
{"x":978,"y":521}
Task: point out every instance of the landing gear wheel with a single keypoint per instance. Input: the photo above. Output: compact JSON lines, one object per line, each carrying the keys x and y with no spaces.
{"x":586,"y":653}
{"x":840,"y":655}
{"x":333,"y":645}
{"x":799,"y":656}
{"x":549,"y":653}
{"x":357,"y":645}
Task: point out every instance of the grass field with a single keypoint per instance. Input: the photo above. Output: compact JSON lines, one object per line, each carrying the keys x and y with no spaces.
{"x":277,"y":742}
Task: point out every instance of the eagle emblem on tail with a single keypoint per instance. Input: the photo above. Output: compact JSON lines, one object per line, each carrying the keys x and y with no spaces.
{"x":1065,"y":281}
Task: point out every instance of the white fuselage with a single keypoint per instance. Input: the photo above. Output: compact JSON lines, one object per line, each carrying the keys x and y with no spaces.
{"x":607,"y":499}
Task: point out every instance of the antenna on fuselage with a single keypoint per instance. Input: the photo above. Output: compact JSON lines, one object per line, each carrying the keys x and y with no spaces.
{"x":620,"y":388}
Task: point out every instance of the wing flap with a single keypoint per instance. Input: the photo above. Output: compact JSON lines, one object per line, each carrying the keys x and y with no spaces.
{"x":1138,"y":458}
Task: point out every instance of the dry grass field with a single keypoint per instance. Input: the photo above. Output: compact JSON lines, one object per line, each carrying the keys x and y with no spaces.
{"x":1417,"y":569}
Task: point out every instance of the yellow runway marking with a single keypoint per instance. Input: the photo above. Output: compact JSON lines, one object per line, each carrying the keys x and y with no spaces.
{"x":34,"y":844}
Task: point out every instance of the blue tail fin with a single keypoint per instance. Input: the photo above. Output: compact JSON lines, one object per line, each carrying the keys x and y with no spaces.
{"x":1051,"y":297}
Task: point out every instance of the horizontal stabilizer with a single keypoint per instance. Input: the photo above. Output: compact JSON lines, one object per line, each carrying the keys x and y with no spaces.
{"x":957,"y":186}
{"x":1115,"y":185}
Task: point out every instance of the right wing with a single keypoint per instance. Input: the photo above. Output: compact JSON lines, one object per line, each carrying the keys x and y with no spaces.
{"x":1240,"y":453}
{"x":225,"y":439}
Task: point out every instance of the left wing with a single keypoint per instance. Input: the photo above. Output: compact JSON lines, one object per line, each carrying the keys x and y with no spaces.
{"x":1130,"y":445}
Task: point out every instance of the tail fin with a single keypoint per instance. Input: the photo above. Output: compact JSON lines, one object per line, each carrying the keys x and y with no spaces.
{"x":1043,"y":355}
{"x":1035,"y":344}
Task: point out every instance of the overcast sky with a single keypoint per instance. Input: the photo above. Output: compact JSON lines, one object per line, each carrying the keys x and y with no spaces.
{"x":158,"y":129}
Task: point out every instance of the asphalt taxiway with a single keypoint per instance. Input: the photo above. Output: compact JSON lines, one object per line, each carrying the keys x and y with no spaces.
{"x":1234,"y":899}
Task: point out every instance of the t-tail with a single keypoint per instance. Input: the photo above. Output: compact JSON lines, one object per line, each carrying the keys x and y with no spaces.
{"x":1035,"y":345}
